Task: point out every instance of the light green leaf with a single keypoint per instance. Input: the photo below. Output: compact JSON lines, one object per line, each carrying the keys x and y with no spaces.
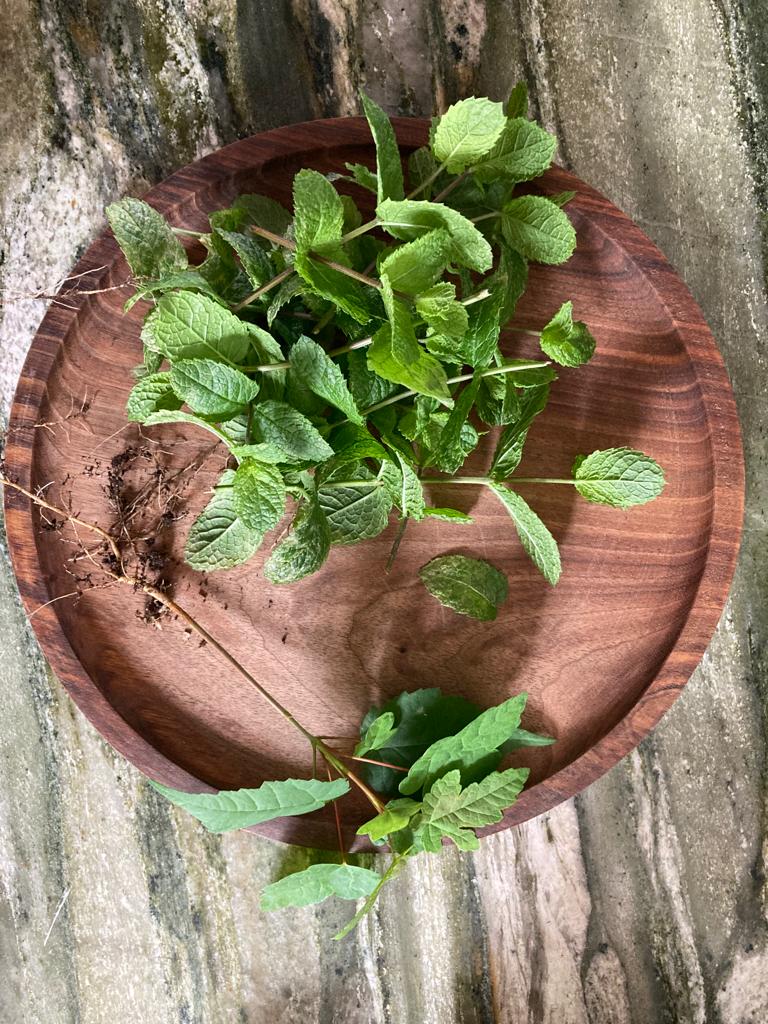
{"x":509,"y":449}
{"x":150,"y":394}
{"x":415,"y":266}
{"x":219,"y":539}
{"x":421,"y":167}
{"x":389,"y":169}
{"x":566,"y":341}
{"x":322,"y":376}
{"x":163,"y":416}
{"x":517,"y":104}
{"x":259,"y":495}
{"x":474,"y":743}
{"x":334,"y":286}
{"x":185,"y":325}
{"x":396,"y":816}
{"x":318,"y":213}
{"x":212,"y":389}
{"x":364,"y":177}
{"x":538,"y":542}
{"x":412,"y":494}
{"x":356,"y":513}
{"x":266,"y":453}
{"x":620,"y":477}
{"x":304,"y":549}
{"x":437,"y":306}
{"x":377,"y":734}
{"x":241,"y":808}
{"x":470,"y":586}
{"x":538,"y":229}
{"x":450,"y":453}
{"x":316,"y":883}
{"x":466,"y":132}
{"x":151,"y":249}
{"x":524,"y":151}
{"x":410,"y":219}
{"x":278,"y":424}
{"x":449,"y":515}
{"x":448,"y":810}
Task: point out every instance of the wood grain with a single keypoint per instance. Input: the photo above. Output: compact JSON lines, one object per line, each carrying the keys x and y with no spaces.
{"x":602,"y":656}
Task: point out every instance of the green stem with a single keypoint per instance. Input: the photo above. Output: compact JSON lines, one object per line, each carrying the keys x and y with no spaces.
{"x":394,"y":868}
{"x":356,"y":232}
{"x":452,"y":185}
{"x":263,"y":289}
{"x":522,"y":330}
{"x":473,"y":481}
{"x":192,"y":234}
{"x":486,"y":216}
{"x":426,"y":182}
{"x":539,"y":480}
{"x":338,"y":484}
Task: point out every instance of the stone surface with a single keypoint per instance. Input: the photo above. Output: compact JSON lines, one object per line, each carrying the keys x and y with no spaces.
{"x":643,"y":901}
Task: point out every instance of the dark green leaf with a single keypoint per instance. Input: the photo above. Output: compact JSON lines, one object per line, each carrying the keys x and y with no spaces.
{"x":304,"y":549}
{"x":278,"y":424}
{"x":509,"y":449}
{"x":469,"y":586}
{"x":389,"y":169}
{"x":151,"y":249}
{"x":517,"y":104}
{"x":538,"y":542}
{"x":212,"y":389}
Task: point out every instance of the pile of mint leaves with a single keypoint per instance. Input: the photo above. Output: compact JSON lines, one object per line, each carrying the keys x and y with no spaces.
{"x":346,"y":364}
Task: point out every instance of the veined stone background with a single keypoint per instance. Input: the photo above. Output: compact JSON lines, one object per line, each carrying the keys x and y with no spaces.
{"x":641,"y":902}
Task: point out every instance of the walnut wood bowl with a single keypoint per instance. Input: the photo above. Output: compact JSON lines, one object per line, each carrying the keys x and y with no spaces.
{"x":602,"y":655}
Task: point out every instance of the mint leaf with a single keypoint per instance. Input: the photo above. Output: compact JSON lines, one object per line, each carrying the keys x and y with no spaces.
{"x":316,"y":883}
{"x":241,"y":808}
{"x":450,"y":811}
{"x":512,"y":276}
{"x":259,"y":495}
{"x":185,"y":325}
{"x":212,"y":389}
{"x":377,"y":734}
{"x":438,"y":308}
{"x":219,"y":539}
{"x":150,"y":394}
{"x":412,"y":495}
{"x":472,"y":745}
{"x":482,"y":338}
{"x":278,"y":424}
{"x":497,"y":402}
{"x":536,"y":539}
{"x":466,"y":132}
{"x":364,"y":177}
{"x":266,"y":212}
{"x":421,"y":167}
{"x":538,"y":229}
{"x":620,"y":477}
{"x":566,"y":341}
{"x":509,"y":449}
{"x":254,"y":261}
{"x":150,"y":247}
{"x":517,"y":104}
{"x":322,"y":376}
{"x":469,"y":586}
{"x":184,"y":279}
{"x":334,"y":286}
{"x":389,"y":169}
{"x":367,"y":387}
{"x":304,"y":549}
{"x":449,"y":515}
{"x":163,"y":416}
{"x":318,"y":213}
{"x":396,"y":816}
{"x":410,"y":219}
{"x":450,"y":453}
{"x":413,"y":267}
{"x":355,"y":513}
{"x":266,"y":453}
{"x":524,"y":151}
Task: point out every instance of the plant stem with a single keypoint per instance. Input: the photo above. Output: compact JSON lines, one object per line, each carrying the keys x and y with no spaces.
{"x":381,"y":764}
{"x":185,"y":231}
{"x":285,"y":363}
{"x":469,"y":480}
{"x":522,"y":330}
{"x":396,"y":543}
{"x":263,"y":289}
{"x":339,"y":484}
{"x":361,"y":230}
{"x":476,"y":297}
{"x":486,"y":216}
{"x":427,"y":181}
{"x":452,"y":185}
{"x":539,"y":480}
{"x":339,"y":833}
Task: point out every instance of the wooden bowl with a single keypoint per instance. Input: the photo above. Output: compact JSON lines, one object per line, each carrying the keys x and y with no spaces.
{"x":602,"y":655}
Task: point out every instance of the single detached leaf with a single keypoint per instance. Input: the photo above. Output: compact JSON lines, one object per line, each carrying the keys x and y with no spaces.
{"x":466,"y":132}
{"x":149,"y":245}
{"x":396,"y":816}
{"x":566,"y":341}
{"x":322,"y":376}
{"x":185,"y":325}
{"x":437,"y":306}
{"x":449,"y":515}
{"x":212,"y":389}
{"x":240,"y":808}
{"x":538,"y":229}
{"x":410,"y":219}
{"x":509,"y":449}
{"x":259,"y":495}
{"x":536,"y":539}
{"x":449,"y":810}
{"x":388,"y":166}
{"x":524,"y":151}
{"x":355,"y":512}
{"x":377,"y":734}
{"x":620,"y":477}
{"x":470,"y":586}
{"x":318,"y":213}
{"x":278,"y":424}
{"x":304,"y":549}
{"x":219,"y":539}
{"x":150,"y":394}
{"x":316,"y":883}
{"x":481,"y":737}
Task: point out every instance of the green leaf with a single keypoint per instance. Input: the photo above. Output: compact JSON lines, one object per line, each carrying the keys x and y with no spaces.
{"x":538,"y":542}
{"x":322,"y":376}
{"x":524,"y":151}
{"x":334,"y":286}
{"x":316,"y":883}
{"x":517,"y":104}
{"x":184,"y":279}
{"x":512,"y":275}
{"x":396,"y":816}
{"x":509,"y":449}
{"x":538,"y":229}
{"x":412,"y":498}
{"x":389,"y":169}
{"x":620,"y":477}
{"x":437,"y":306}
{"x":410,"y":219}
{"x":470,"y":586}
{"x":449,"y":515}
{"x":567,"y":342}
{"x":377,"y":734}
{"x":450,"y":454}
{"x":364,"y":177}
{"x":481,"y":737}
{"x":212,"y":389}
{"x":415,"y":266}
{"x":259,"y":495}
{"x":367,"y":387}
{"x":163,"y":416}
{"x":278,"y":424}
{"x":318,"y":213}
{"x":241,"y":808}
{"x":304,"y":549}
{"x":355,"y":513}
{"x":266,"y":212}
{"x":421,"y":167}
{"x":466,"y":132}
{"x":185,"y":325}
{"x":219,"y":539}
{"x":450,"y":811}
{"x":561,"y":198}
{"x":151,"y":249}
{"x":432,"y":432}
{"x":497,"y":402}
{"x":253,"y":259}
{"x":266,"y":453}
{"x":150,"y":394}
{"x":482,"y":338}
